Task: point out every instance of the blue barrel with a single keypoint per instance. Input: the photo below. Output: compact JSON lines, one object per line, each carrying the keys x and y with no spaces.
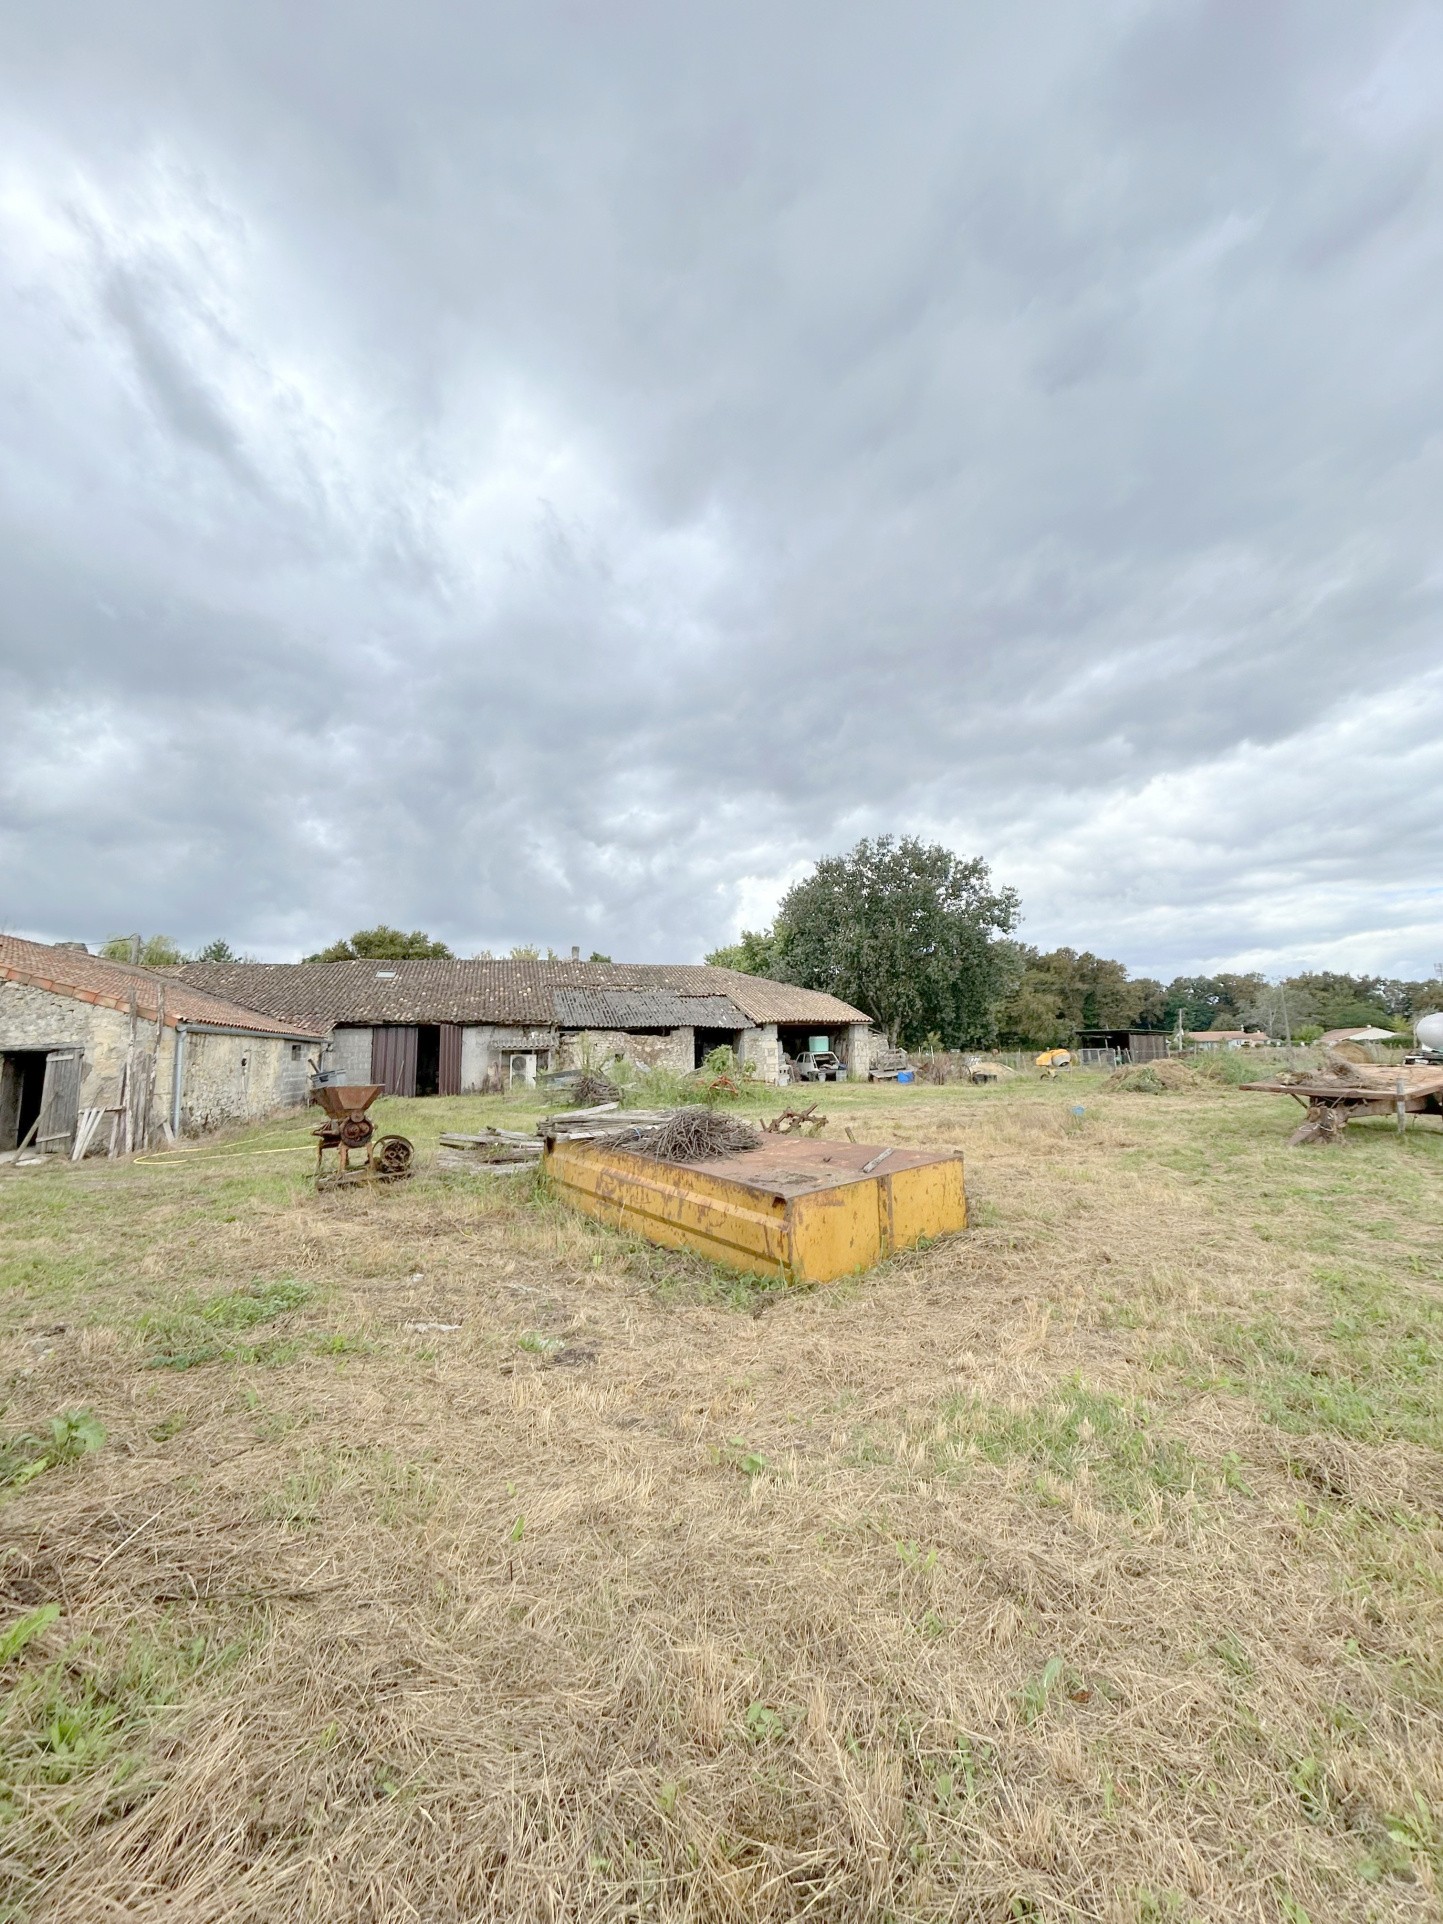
{"x":906,"y":1075}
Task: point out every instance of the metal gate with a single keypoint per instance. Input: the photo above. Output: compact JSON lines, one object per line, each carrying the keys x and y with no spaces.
{"x":448,"y":1076}
{"x":59,"y":1099}
{"x":393,"y":1059}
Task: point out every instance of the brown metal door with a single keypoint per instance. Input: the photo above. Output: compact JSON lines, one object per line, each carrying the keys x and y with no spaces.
{"x":59,"y":1100}
{"x":393,"y":1059}
{"x":448,"y":1080}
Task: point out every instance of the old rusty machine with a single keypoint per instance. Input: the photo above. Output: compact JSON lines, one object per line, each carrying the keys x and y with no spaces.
{"x":348,"y":1130}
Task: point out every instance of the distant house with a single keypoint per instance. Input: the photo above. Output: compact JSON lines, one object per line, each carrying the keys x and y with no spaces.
{"x":458,"y":1027}
{"x":1229,"y":1039}
{"x":1366,"y":1034}
{"x":78,"y":1032}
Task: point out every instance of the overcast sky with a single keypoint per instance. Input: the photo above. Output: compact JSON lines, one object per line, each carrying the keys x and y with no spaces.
{"x":547,"y":472}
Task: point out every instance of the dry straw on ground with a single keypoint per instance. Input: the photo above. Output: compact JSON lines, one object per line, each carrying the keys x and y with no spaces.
{"x":1019,"y":1580}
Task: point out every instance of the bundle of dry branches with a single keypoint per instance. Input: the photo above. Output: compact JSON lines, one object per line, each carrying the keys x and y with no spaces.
{"x":594,"y":1088}
{"x":696,"y":1133}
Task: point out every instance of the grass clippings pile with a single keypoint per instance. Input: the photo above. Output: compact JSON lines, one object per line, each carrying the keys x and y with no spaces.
{"x":1164,"y":1077}
{"x":433,"y":1554}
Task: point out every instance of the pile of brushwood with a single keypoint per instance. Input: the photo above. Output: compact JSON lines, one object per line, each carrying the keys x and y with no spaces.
{"x":696,"y":1134}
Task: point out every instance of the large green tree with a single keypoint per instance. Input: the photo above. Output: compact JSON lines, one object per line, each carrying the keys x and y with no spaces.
{"x":1058,"y":993}
{"x":753,"y":953}
{"x":383,"y":944}
{"x":908,"y":932}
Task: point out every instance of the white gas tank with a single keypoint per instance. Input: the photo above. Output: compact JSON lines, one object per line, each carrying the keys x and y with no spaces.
{"x":1429,"y":1031}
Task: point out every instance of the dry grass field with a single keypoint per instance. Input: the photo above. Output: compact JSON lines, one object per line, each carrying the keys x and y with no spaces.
{"x":446,"y":1557}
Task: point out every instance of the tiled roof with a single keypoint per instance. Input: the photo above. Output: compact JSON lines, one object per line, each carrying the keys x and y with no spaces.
{"x":643,"y":1009}
{"x":110,"y":985}
{"x":521,"y":993}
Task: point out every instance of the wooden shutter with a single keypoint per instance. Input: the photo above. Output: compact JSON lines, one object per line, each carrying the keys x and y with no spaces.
{"x":59,"y":1099}
{"x":393,"y":1059}
{"x":448,"y":1077}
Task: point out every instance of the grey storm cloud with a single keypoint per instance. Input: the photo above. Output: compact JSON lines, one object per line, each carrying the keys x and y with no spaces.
{"x":547,"y":473}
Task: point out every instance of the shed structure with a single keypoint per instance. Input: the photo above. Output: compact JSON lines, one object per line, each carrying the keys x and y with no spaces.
{"x":79,"y":1032}
{"x":1121,"y":1045}
{"x":459,"y":1027}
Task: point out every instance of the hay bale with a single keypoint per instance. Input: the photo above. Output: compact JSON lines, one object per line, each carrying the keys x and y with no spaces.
{"x":991,"y":1072}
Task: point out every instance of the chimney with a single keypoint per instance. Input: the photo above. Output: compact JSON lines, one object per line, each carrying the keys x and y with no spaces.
{"x":575,"y":953}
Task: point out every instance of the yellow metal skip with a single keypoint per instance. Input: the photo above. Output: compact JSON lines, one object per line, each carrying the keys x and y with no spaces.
{"x":804,"y":1211}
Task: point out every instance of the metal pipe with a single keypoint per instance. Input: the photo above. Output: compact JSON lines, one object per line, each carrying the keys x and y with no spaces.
{"x":177,"y":1075}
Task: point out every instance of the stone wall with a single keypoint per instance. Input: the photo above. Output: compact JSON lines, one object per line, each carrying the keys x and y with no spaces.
{"x":761,"y":1047}
{"x":856,"y":1048}
{"x":32,"y":1018}
{"x":674,"y":1050}
{"x":239,"y":1078}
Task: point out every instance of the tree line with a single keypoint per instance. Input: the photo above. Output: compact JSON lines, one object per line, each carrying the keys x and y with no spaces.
{"x":923,"y":941}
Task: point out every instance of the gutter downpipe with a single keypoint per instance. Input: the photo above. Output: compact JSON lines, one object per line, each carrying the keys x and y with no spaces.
{"x":177,"y":1076}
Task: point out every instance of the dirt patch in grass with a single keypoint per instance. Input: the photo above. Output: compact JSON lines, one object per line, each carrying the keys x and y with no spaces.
{"x":480,"y":1563}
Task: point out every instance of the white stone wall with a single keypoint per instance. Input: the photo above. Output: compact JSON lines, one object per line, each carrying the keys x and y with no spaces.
{"x":475,"y":1058}
{"x":761,"y":1046}
{"x":855,"y":1047}
{"x":349,"y":1052}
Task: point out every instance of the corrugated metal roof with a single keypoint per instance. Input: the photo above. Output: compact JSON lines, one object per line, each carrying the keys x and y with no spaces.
{"x":95,"y":979}
{"x":643,"y":1009}
{"x":505,"y":992}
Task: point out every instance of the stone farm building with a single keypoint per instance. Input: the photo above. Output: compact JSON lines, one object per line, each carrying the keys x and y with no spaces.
{"x":459,"y":1027}
{"x":76,"y":1029}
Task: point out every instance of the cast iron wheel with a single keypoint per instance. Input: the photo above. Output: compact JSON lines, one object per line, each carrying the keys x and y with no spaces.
{"x":393,"y":1158}
{"x":356,"y":1131}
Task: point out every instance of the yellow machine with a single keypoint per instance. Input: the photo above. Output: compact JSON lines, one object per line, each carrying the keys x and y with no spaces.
{"x":1051,"y":1060}
{"x":806,"y":1211}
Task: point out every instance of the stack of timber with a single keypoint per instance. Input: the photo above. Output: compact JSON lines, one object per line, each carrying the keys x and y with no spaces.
{"x":603,"y":1122}
{"x":495,"y":1152}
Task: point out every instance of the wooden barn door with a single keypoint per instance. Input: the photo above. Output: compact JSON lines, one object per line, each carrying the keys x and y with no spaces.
{"x":59,"y":1099}
{"x":393,"y":1060}
{"x":448,"y":1081}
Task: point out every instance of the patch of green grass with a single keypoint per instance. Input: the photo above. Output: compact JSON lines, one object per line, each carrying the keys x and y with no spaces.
{"x":1036,"y":1695}
{"x":538,"y":1343}
{"x":1078,"y":1429}
{"x":741,"y":1456}
{"x":1373,"y":1372}
{"x":205,"y":1329}
{"x":73,"y":1434}
{"x":87,"y":1713}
